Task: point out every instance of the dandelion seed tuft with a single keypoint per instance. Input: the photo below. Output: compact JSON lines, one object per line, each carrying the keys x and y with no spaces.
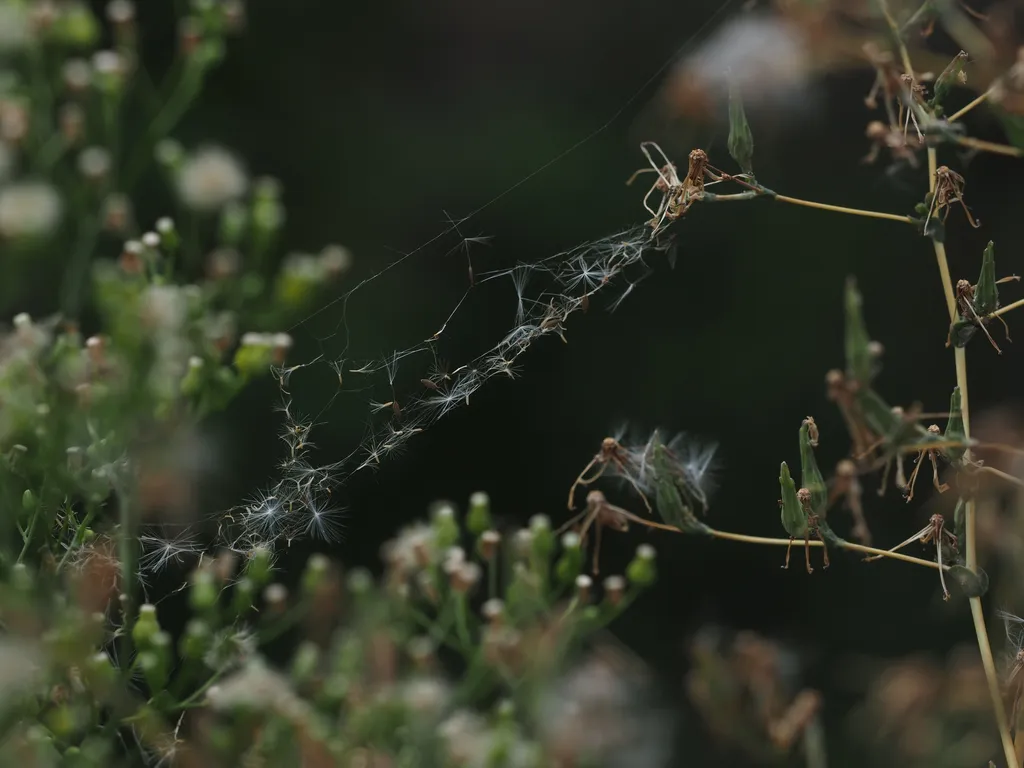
{"x":210,"y":179}
{"x":29,"y":209}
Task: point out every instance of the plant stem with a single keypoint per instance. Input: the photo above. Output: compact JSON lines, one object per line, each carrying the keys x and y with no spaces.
{"x":759,"y":191}
{"x":971,"y":558}
{"x":1007,"y":308}
{"x":964,"y":110}
{"x":848,"y":545}
{"x":989,"y":146}
{"x":898,"y":37}
{"x":843,"y":209}
{"x":1002,"y":475}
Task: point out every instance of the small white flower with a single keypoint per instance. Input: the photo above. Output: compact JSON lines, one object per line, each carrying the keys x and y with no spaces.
{"x":29,"y":208}
{"x":164,"y":308}
{"x":94,"y":163}
{"x":211,"y":178}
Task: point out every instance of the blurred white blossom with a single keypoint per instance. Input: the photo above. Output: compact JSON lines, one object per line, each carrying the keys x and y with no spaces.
{"x":210,"y":178}
{"x":765,"y":57}
{"x":28,"y":209}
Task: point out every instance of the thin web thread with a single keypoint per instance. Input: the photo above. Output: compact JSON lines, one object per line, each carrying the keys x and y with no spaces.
{"x":301,"y":503}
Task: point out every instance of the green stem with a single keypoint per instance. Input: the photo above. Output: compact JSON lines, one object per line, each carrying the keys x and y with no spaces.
{"x":174,"y":108}
{"x":126,"y":545}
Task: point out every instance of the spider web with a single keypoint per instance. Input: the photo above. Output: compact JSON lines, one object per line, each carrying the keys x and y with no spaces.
{"x":412,"y":388}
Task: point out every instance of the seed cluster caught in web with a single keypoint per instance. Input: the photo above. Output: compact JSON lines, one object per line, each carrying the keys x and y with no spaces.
{"x":412,"y":389}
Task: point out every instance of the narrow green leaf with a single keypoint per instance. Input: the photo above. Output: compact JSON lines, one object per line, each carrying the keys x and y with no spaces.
{"x":859,"y":362}
{"x":973,"y":583}
{"x":794,"y":519}
{"x":950,"y":77}
{"x":962,"y":331}
{"x":668,"y":499}
{"x":810,"y":476}
{"x":741,"y":139}
{"x":955,"y":429}
{"x":960,"y":522}
{"x":986,"y":292}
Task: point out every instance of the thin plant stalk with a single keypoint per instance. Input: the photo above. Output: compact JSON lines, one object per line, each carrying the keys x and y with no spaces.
{"x":977,"y":101}
{"x":970,"y":516}
{"x":848,"y":545}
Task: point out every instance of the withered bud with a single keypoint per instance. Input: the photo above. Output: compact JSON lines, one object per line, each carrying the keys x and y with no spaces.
{"x":190,"y":34}
{"x":131,"y":258}
{"x":116,"y":213}
{"x":225,"y":565}
{"x":223,"y":263}
{"x":812,"y":430}
{"x":465,"y":577}
{"x":493,"y":610}
{"x":846,"y":468}
{"x":95,"y":346}
{"x":427,"y":587}
{"x":276,"y":598}
{"x":614,"y":589}
{"x":875,"y":349}
{"x":523,"y":542}
{"x":489,"y":543}
{"x":583,"y":586}
{"x":804,"y":496}
{"x":422,"y":651}
{"x":71,"y":120}
{"x":835,"y":383}
{"x":933,"y":429}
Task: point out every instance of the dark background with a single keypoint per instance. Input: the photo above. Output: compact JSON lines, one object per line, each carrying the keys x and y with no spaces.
{"x":381,"y":116}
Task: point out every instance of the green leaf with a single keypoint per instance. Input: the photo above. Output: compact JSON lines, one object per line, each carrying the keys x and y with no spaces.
{"x":973,"y":583}
{"x":955,"y":429}
{"x":859,"y":360}
{"x":741,"y":139}
{"x":810,"y":476}
{"x":950,"y":77}
{"x":986,"y":292}
{"x":962,"y":331}
{"x":668,"y":499}
{"x":794,"y":519}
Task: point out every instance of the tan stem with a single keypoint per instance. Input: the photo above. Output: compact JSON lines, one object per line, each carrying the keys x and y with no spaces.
{"x":1002,"y":475}
{"x":849,"y":545}
{"x":1011,"y":306}
{"x":968,"y":107}
{"x":971,"y":556}
{"x":843,"y":209}
{"x":989,"y":146}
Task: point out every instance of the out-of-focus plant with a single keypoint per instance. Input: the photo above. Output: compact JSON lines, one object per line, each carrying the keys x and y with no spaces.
{"x":466,"y":653}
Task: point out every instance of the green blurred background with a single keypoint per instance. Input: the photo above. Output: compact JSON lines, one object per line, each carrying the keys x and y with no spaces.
{"x":380,"y":117}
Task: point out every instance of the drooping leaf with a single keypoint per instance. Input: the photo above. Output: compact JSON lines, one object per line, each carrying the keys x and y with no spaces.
{"x":810,"y":476}
{"x":859,"y":362}
{"x":741,"y":139}
{"x":950,"y":77}
{"x":973,"y":583}
{"x":955,"y":429}
{"x":668,"y":499}
{"x":986,"y":292}
{"x":794,"y":519}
